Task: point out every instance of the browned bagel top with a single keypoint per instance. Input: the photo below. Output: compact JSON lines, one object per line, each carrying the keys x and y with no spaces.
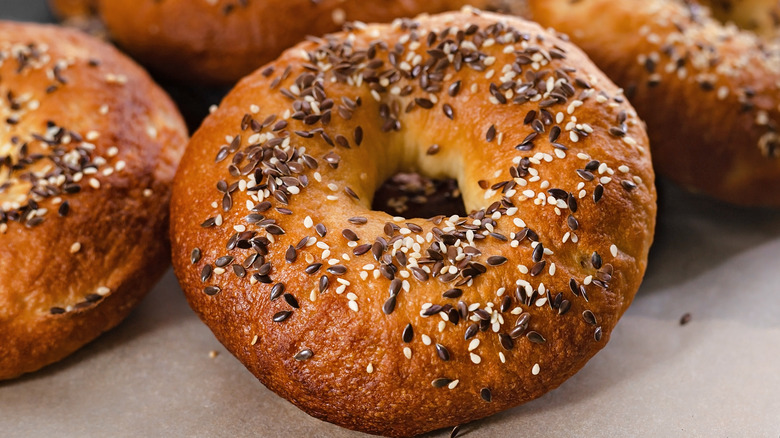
{"x":221,"y":41}
{"x":710,"y":93}
{"x":88,"y":148}
{"x":402,"y":325}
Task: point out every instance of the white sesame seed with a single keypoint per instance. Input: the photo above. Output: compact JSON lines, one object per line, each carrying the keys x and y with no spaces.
{"x":475,"y":358}
{"x":473,"y":344}
{"x":408,"y":352}
{"x":613,"y":250}
{"x":370,"y":368}
{"x":103,"y":291}
{"x":535,"y":370}
{"x":426,"y":339}
{"x":353,"y":306}
{"x":76,"y":247}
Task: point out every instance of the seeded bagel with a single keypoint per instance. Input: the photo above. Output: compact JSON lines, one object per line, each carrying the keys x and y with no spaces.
{"x":218,"y":42}
{"x":88,"y":150}
{"x":710,"y":94}
{"x":397,"y":326}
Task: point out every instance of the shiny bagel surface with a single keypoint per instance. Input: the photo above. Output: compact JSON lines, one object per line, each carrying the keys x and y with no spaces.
{"x":398,"y":326}
{"x":219,"y":41}
{"x":88,"y":149}
{"x":710,"y":94}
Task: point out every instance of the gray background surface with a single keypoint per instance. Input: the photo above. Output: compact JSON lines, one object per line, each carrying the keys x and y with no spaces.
{"x":717,"y":376}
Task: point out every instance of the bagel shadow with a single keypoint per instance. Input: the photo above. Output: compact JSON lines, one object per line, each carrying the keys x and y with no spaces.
{"x":164,"y":305}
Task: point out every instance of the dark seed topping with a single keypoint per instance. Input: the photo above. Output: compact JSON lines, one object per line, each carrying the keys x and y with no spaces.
{"x":313,"y":268}
{"x":598,"y":334}
{"x":441,"y":382}
{"x":395,"y":286}
{"x":486,"y":394}
{"x":64,"y":209}
{"x":448,"y":111}
{"x":453,"y":293}
{"x":304,"y":354}
{"x":536,"y":256}
{"x":538,"y":268}
{"x":389,"y":305}
{"x":195,"y":256}
{"x":536,"y":338}
{"x":321,"y":230}
{"x":281,"y":316}
{"x":212,"y":290}
{"x":471,"y":331}
{"x":506,"y":341}
{"x":454,"y":89}
{"x":408,"y":333}
{"x":433,"y":150}
{"x":598,"y":193}
{"x":595,"y":260}
{"x":205,"y":273}
{"x":291,"y":254}
{"x":491,"y":133}
{"x":443,"y":353}
{"x":586,"y":175}
{"x":497,"y":260}
{"x":589,"y":317}
{"x":350,"y":235}
{"x":292,"y":301}
{"x":337,"y":270}
{"x":517,"y":331}
{"x":419,"y":274}
{"x":424,"y":103}
{"x":223,"y":261}
{"x":277,"y":291}
{"x":361,"y":249}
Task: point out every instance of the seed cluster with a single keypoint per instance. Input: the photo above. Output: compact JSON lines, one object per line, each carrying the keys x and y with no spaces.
{"x":43,"y":167}
{"x":268,"y":166}
{"x":693,"y":49}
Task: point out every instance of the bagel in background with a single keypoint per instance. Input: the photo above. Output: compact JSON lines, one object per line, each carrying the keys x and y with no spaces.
{"x":398,"y":326}
{"x":710,"y":94}
{"x":88,"y":149}
{"x":760,"y":16}
{"x":217,"y":42}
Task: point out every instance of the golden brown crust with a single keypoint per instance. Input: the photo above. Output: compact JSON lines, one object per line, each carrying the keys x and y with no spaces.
{"x":710,"y":95}
{"x":89,"y":145}
{"x":220,"y":41}
{"x":353,"y":367}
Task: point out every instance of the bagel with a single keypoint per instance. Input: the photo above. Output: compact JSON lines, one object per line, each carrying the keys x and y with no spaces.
{"x":760,"y":16}
{"x":217,"y":42}
{"x":88,"y":150}
{"x":398,"y":326}
{"x":708,"y":93}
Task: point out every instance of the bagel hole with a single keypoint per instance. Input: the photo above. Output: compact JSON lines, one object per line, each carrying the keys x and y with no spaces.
{"x":412,"y":195}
